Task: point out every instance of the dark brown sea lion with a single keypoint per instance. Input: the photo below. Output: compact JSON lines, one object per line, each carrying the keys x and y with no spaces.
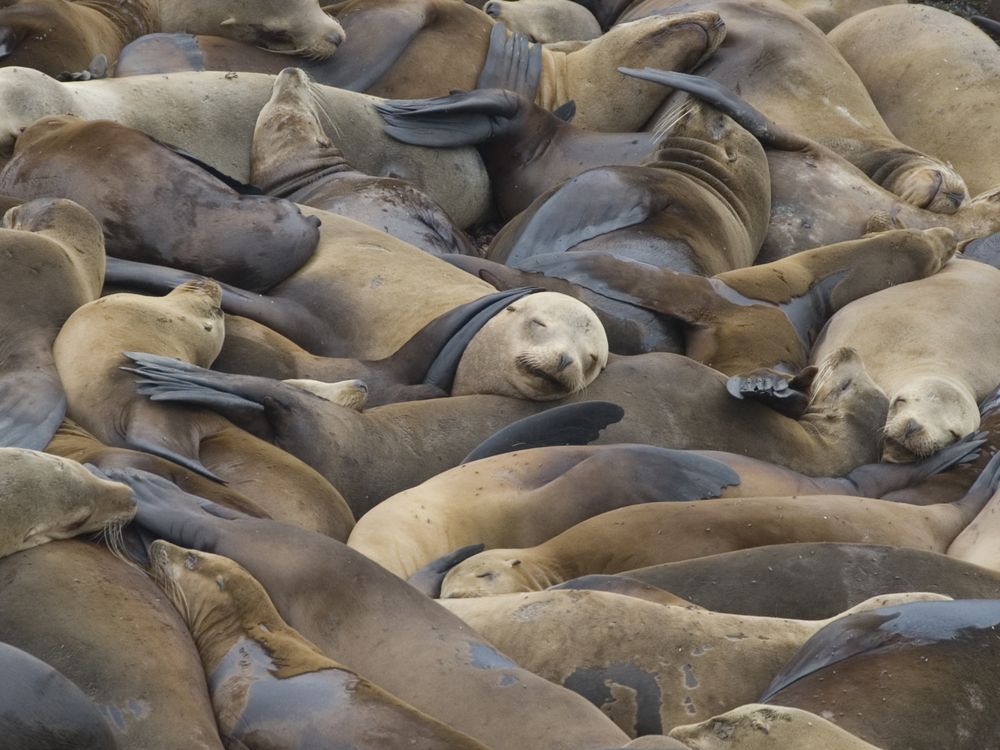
{"x":187,"y":323}
{"x":270,"y":687}
{"x":929,"y":663}
{"x":344,"y":603}
{"x":53,"y":262}
{"x":641,"y":535}
{"x":107,"y":627}
{"x":808,"y":581}
{"x":373,"y":455}
{"x":41,"y":710}
{"x":523,"y":498}
{"x":55,"y":36}
{"x":950,"y":63}
{"x":784,"y":66}
{"x":293,"y":158}
{"x":186,"y":218}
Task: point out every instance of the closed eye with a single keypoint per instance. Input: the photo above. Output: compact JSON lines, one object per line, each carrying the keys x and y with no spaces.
{"x":537,"y":322}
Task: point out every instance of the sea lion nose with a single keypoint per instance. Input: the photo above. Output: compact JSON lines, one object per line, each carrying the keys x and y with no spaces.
{"x":335,"y":38}
{"x":564,"y":361}
{"x":492,"y":9}
{"x":912,"y":426}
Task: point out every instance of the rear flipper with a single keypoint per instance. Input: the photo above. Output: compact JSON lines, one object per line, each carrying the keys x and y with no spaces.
{"x":32,"y":405}
{"x":570,"y":424}
{"x":462,"y":119}
{"x":512,"y":63}
{"x":783,"y":392}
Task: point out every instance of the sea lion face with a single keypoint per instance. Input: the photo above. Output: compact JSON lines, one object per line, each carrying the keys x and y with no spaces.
{"x":930,"y":186}
{"x":293,"y":27}
{"x":546,"y":21}
{"x":925,"y":416}
{"x":45,"y":497}
{"x":25,"y":96}
{"x":542,"y":347}
{"x":496,"y":571}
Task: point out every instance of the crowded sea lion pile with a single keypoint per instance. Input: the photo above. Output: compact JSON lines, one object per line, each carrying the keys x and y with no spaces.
{"x":499,"y":375}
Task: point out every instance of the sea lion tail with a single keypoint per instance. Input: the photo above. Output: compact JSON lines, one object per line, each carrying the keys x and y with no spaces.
{"x":762,"y":127}
{"x":429,"y":578}
{"x":570,"y":424}
{"x":512,"y":63}
{"x":460,"y":119}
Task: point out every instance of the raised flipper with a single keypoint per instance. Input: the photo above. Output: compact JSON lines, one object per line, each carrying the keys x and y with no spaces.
{"x":589,"y":205}
{"x":763,"y":128}
{"x":785,"y":393}
{"x":167,"y":379}
{"x":32,"y":405}
{"x":512,"y":63}
{"x":570,"y":424}
{"x":441,"y":373}
{"x":428,"y":579}
{"x":462,"y":119}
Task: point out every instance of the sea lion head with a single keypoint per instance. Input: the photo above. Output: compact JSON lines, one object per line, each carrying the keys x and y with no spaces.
{"x":927,"y":414}
{"x":541,"y":347}
{"x":545,"y":21}
{"x":928,"y":184}
{"x":292,"y":27}
{"x":25,"y":96}
{"x":45,"y":497}
{"x":497,"y":571}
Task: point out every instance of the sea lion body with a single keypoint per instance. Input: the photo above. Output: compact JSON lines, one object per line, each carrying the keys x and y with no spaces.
{"x":827,"y":14}
{"x":270,"y":687}
{"x":107,"y":627}
{"x":960,"y":63}
{"x":944,"y":324}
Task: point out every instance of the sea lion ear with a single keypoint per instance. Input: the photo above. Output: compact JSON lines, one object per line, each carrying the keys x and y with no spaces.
{"x":513,"y":563}
{"x":231,"y":21}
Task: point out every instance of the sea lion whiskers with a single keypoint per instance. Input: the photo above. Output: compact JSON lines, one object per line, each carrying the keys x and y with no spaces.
{"x":684,"y":106}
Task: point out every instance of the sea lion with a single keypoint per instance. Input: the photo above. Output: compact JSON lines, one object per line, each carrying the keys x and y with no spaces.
{"x":343,"y":603}
{"x":827,"y":14}
{"x":417,"y":36}
{"x":648,"y":666}
{"x":807,"y":581}
{"x":953,"y":65}
{"x":545,"y":20}
{"x":808,"y":88}
{"x":524,"y":498}
{"x":211,"y":116}
{"x":293,"y":158}
{"x":640,"y":535}
{"x":385,"y":450}
{"x":186,"y":218}
{"x":755,"y":726}
{"x":929,"y":663}
{"x":53,"y":263}
{"x":46,"y":497}
{"x":41,"y":710}
{"x":270,"y":687}
{"x":107,"y":627}
{"x":187,"y":323}
{"x":949,"y":362}
{"x":56,"y":36}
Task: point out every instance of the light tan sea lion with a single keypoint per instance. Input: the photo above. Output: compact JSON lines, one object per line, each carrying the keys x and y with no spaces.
{"x":640,"y":535}
{"x":545,"y":20}
{"x":935,"y":79}
{"x":828,"y":13}
{"x":271,"y":688}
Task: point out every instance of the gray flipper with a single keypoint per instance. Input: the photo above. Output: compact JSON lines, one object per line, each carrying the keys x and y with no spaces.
{"x":984,"y":249}
{"x":512,"y":63}
{"x":990,"y":403}
{"x":570,"y":424}
{"x":593,"y":203}
{"x":32,"y":406}
{"x":429,"y":578}
{"x":785,"y":393}
{"x":461,"y":119}
{"x":167,"y":379}
{"x":441,"y":372}
{"x":988,"y":25}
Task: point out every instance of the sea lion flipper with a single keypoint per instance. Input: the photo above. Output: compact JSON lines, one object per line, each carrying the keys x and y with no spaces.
{"x":988,"y":25}
{"x":32,"y":406}
{"x":462,"y":119}
{"x":570,"y":424}
{"x":428,"y":579}
{"x":782,"y":392}
{"x":512,"y":63}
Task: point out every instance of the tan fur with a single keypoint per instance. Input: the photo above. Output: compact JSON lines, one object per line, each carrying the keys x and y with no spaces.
{"x":828,"y":13}
{"x":546,"y":20}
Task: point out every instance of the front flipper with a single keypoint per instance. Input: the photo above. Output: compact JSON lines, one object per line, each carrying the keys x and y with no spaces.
{"x":428,"y":579}
{"x":461,"y":119}
{"x":570,"y":424}
{"x":512,"y":63}
{"x":786,"y":394}
{"x":32,"y":405}
{"x":167,"y":379}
